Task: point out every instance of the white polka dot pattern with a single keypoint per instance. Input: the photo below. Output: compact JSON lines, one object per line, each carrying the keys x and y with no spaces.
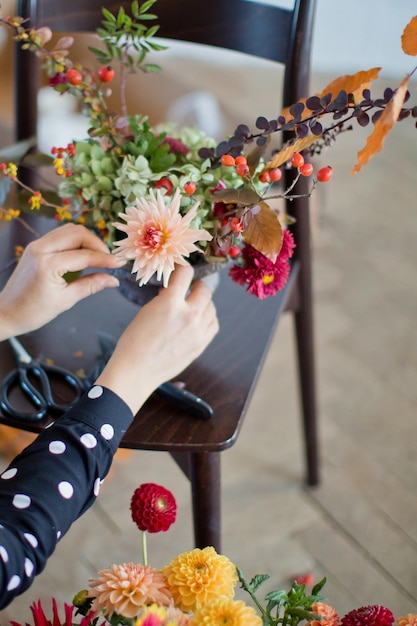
{"x":95,"y":392}
{"x":29,"y":567}
{"x":4,"y":555}
{"x":21,"y":501}
{"x":14,"y":582}
{"x":107,"y":431}
{"x":88,"y":440}
{"x":97,"y":484}
{"x":85,"y":439}
{"x":65,"y":489}
{"x":57,"y":447}
{"x":10,"y":473}
{"x":31,"y":539}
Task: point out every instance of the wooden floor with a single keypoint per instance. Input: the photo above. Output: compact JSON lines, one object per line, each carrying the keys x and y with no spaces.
{"x":359,"y":527}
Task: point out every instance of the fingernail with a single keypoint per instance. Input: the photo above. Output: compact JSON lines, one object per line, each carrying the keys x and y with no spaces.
{"x":111,"y":281}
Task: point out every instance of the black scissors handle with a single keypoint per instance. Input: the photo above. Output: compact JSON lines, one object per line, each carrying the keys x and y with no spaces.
{"x":16,"y":378}
{"x":41,"y":398}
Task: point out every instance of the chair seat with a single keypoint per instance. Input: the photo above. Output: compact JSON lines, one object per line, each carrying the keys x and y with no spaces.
{"x":224,"y":376}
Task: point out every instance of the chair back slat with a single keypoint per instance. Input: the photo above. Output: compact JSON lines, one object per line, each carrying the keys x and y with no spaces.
{"x":261,"y":30}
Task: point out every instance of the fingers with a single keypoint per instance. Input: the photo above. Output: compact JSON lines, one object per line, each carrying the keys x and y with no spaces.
{"x":179,"y":281}
{"x":70,"y":236}
{"x":90,"y":284}
{"x":82,"y":258}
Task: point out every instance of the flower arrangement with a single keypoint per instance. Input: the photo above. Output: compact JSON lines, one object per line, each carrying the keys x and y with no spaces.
{"x":162,"y":195}
{"x":197,"y":589}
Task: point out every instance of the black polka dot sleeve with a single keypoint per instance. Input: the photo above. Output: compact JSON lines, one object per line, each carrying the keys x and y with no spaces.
{"x":52,"y":482}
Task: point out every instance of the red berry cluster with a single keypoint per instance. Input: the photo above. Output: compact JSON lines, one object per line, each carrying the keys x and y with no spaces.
{"x":59,"y":152}
{"x":274,"y":174}
{"x":74,"y":77}
{"x":323,"y":175}
{"x":240,"y":163}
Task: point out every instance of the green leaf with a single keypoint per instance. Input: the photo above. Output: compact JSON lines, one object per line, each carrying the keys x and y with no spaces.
{"x":257,"y":581}
{"x":318,"y":587}
{"x":108,"y":15}
{"x":157,"y":46}
{"x":300,"y":613}
{"x":152,"y":31}
{"x":148,"y":68}
{"x":278,"y":597}
{"x":146,"y":6}
{"x":120,"y":17}
{"x":149,"y":16}
{"x":95,"y":51}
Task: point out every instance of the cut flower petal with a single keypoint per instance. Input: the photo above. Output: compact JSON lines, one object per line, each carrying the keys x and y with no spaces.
{"x":158,"y":236}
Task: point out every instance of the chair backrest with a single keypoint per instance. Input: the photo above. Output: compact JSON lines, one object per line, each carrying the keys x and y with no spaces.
{"x":263,"y":30}
{"x":266,"y":31}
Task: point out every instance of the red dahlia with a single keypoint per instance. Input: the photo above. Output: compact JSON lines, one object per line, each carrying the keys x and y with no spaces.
{"x":374,"y":615}
{"x":153,"y":508}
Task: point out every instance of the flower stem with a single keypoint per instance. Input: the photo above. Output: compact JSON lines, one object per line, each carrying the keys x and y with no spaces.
{"x":144,"y":548}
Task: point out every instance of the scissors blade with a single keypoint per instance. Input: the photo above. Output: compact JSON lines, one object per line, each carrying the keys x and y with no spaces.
{"x":21,"y":354}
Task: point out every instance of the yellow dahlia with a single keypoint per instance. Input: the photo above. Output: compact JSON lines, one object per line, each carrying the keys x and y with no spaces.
{"x":158,"y":236}
{"x":328,"y":614}
{"x":125,"y":588}
{"x":226,"y":611}
{"x":195,"y":577}
{"x":407,"y":620}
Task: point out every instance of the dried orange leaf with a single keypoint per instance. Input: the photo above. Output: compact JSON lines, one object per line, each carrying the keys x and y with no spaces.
{"x":286,"y":152}
{"x":352,"y":83}
{"x":264,"y":232}
{"x":256,"y":154}
{"x":382,"y":126}
{"x":409,"y":37}
{"x":243,"y":196}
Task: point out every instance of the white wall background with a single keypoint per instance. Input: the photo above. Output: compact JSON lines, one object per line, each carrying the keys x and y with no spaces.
{"x":352,"y":35}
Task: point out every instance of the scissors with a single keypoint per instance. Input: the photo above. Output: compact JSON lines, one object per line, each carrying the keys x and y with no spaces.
{"x":41,"y":396}
{"x":178,"y":396}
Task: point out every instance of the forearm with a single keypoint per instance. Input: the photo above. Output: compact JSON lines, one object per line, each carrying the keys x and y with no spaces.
{"x":71,"y":459}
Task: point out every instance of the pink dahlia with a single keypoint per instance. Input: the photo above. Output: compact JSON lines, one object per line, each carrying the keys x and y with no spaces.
{"x":124,"y":589}
{"x":262,"y":276}
{"x":153,"y":508}
{"x":158,"y":236}
{"x":374,"y":615}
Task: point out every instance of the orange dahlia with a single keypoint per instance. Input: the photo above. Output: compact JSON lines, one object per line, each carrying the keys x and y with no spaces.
{"x":226,"y":611}
{"x":407,"y":620}
{"x":328,"y":614}
{"x":124,"y":589}
{"x":194,"y":578}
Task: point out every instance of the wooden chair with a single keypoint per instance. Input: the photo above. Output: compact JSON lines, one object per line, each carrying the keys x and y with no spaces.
{"x":226,"y":374}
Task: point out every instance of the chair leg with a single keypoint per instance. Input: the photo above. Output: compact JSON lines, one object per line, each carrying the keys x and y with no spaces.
{"x":307,"y":378}
{"x":204,"y":476}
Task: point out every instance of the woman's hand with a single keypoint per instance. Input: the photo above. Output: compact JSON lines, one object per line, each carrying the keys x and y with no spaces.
{"x":166,"y":335}
{"x":37,"y":292}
